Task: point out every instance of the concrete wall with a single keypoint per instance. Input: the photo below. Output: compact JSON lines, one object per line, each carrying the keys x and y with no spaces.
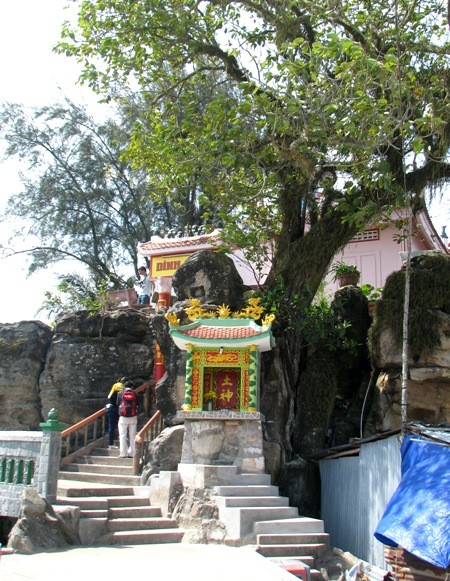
{"x":19,"y":453}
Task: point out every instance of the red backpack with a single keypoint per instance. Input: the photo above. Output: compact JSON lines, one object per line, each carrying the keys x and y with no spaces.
{"x":128,"y":404}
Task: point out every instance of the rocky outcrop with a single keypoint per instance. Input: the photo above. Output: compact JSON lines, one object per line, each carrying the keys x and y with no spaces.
{"x":428,"y":386}
{"x":88,"y":354}
{"x":39,"y":528}
{"x":428,"y":400}
{"x":198,"y":514}
{"x":23,"y":349}
{"x":433,"y":364}
{"x":71,"y":368}
{"x":128,"y":325}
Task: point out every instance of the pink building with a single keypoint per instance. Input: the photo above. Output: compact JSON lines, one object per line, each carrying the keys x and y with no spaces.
{"x":381,"y":249}
{"x":376,"y":252}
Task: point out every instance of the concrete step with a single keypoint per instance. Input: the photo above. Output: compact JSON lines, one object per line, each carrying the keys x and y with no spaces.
{"x":240,"y":521}
{"x":110,"y":469}
{"x":247,"y":490}
{"x":315,"y":575}
{"x":307,"y":560}
{"x":140,"y":524}
{"x":78,"y":489}
{"x":210,"y":475}
{"x":106,"y":460}
{"x":100,"y":478}
{"x":225,"y":501}
{"x":157,"y":536}
{"x":114,"y":452}
{"x":128,"y":501}
{"x":94,"y":513}
{"x":312,"y":550}
{"x":251,"y":478}
{"x":96,"y":503}
{"x":292,"y":539}
{"x":299,"y":525}
{"x":134,"y":512}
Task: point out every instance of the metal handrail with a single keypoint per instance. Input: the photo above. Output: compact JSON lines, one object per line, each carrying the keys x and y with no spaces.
{"x":82,"y":437}
{"x":149,"y":432}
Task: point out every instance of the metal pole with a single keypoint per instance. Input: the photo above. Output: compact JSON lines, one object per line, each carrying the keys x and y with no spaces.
{"x":405,"y":342}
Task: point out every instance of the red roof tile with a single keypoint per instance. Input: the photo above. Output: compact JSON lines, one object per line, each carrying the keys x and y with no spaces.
{"x":156,"y":243}
{"x":204,"y":332}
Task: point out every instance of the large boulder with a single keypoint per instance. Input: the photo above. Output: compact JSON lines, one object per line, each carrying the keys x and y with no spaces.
{"x":210,"y":277}
{"x":387,"y":352}
{"x":39,"y":528}
{"x":164,"y":452}
{"x":23,"y":349}
{"x":71,"y":368}
{"x":428,"y":317}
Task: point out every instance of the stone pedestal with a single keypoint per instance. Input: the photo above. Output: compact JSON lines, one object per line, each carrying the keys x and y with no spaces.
{"x":223,"y":439}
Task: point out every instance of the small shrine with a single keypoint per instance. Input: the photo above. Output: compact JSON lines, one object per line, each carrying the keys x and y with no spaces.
{"x":222,"y":383}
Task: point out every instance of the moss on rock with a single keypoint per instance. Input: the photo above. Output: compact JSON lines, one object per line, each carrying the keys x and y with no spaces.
{"x":430,"y":294}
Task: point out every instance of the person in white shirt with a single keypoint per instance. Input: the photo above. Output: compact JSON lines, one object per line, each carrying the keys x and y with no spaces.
{"x":146,"y":287}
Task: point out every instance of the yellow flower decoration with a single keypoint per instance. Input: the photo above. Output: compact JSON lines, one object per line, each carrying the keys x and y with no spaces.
{"x":268,"y":320}
{"x":251,"y":311}
{"x":210,"y":395}
{"x":172,"y":318}
{"x":254,"y":302}
{"x":224,"y":311}
{"x":239,"y":315}
{"x":196,"y":311}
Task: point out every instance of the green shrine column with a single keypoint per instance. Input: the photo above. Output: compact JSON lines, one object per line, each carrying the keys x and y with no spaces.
{"x":188,"y":385}
{"x":253,"y":379}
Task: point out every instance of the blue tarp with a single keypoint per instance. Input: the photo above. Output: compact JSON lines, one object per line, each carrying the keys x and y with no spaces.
{"x":418,"y":515}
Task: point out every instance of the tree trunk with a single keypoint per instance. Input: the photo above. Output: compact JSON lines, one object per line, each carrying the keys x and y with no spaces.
{"x":301,"y":264}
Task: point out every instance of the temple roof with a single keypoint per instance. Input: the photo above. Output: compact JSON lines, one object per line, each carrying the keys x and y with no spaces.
{"x":223,"y":333}
{"x":205,"y":332}
{"x":158,"y":245}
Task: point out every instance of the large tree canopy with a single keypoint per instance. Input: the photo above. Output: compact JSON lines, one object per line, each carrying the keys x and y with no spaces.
{"x":333,"y":114}
{"x":322,"y":90}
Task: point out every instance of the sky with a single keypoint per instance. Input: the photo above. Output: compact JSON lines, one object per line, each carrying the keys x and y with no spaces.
{"x":33,"y":75}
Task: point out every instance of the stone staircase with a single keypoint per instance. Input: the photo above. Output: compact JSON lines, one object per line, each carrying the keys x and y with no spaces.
{"x":115,"y":509}
{"x":254,"y":513}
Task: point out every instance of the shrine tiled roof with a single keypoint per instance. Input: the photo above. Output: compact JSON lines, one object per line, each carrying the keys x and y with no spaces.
{"x":205,"y":332}
{"x":223,"y":333}
{"x":163,"y":244}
